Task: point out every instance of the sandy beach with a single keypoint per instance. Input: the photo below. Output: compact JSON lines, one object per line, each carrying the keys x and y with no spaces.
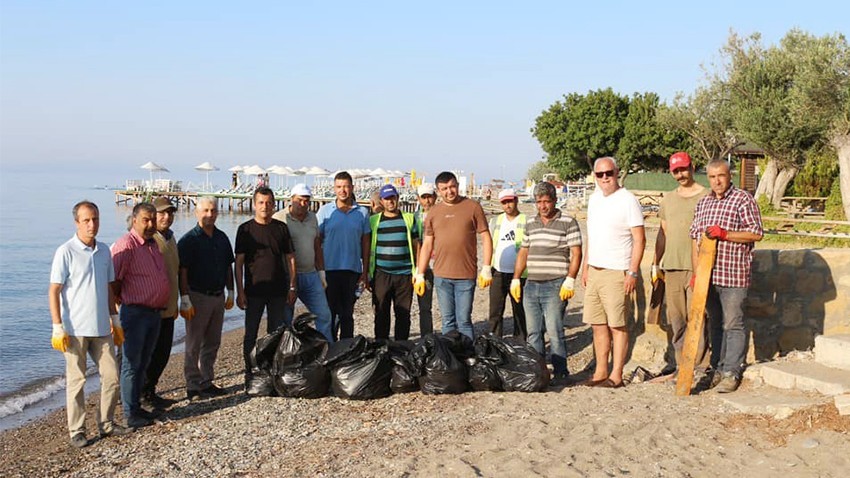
{"x":639,"y":430}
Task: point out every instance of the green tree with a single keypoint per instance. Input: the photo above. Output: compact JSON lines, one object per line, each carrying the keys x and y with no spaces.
{"x":818,"y":174}
{"x":581,"y":128}
{"x":538,"y":170}
{"x":646,"y":142}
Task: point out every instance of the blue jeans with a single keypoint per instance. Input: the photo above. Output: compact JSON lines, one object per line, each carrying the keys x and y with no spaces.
{"x":141,"y":331}
{"x":312,"y":294}
{"x":728,"y":338}
{"x":455,"y":297}
{"x":544,"y":311}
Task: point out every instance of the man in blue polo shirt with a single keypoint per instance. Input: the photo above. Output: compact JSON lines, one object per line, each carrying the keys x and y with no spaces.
{"x":206,"y":268}
{"x":85,"y":322}
{"x":344,"y":228}
{"x":395,"y":244}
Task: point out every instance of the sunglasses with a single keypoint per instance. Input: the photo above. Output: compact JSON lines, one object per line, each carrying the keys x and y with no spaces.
{"x":600,"y":174}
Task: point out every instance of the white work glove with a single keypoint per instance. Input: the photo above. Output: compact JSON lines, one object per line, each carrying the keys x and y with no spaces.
{"x":228,"y":302}
{"x":656,"y":273}
{"x":60,"y":339}
{"x":324,"y":279}
{"x":516,"y":289}
{"x":187,"y":310}
{"x":117,"y":330}
{"x":568,"y":288}
{"x":419,"y":284}
{"x":485,"y":277}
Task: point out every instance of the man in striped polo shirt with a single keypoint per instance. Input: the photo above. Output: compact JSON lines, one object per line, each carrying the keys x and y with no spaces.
{"x":551,"y":252}
{"x":395,"y":244}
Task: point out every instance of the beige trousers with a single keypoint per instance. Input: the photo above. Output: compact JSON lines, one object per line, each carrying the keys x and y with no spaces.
{"x":102,"y":351}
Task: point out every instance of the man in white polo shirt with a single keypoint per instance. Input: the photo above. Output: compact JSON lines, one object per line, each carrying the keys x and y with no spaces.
{"x":85,"y":322}
{"x":615,"y":242}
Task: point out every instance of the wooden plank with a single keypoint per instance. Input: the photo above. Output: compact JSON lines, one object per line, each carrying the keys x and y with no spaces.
{"x":696,"y":316}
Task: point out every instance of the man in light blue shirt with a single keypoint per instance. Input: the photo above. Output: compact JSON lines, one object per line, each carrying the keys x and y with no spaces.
{"x":346,"y":240}
{"x":85,"y":322}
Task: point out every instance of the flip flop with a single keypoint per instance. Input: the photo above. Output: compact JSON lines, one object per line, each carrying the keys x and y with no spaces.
{"x":608,"y":383}
{"x":590,"y":382}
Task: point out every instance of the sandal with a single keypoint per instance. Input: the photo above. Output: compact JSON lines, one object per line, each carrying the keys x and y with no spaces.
{"x":608,"y":383}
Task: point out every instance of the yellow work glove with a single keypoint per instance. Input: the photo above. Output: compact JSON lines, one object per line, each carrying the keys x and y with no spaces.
{"x":60,"y":339}
{"x":228,"y":302}
{"x":187,"y":311}
{"x":324,"y":279}
{"x":117,"y":330}
{"x":419,"y":284}
{"x":568,"y":288}
{"x":656,"y":273}
{"x":516,"y":289}
{"x":485,"y":277}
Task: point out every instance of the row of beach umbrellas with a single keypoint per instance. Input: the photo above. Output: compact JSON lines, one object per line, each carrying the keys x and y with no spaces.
{"x":254,"y":170}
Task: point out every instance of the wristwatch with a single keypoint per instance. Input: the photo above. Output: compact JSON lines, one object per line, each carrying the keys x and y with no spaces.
{"x":292,"y":287}
{"x":633,"y":274}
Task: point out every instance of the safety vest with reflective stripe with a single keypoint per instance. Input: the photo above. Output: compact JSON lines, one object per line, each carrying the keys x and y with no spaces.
{"x":520,"y":234}
{"x":374,"y":221}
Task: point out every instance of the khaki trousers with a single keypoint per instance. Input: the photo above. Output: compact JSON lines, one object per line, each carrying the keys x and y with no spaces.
{"x":677,"y":295}
{"x":102,"y":351}
{"x":203,"y":337}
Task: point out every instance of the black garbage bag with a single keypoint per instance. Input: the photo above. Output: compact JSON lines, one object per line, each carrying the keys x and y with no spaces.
{"x":438,"y":370}
{"x":260,"y":382}
{"x":297,"y":370}
{"x":523,"y":369}
{"x":359,"y":369}
{"x":402,"y":379}
{"x":461,"y":346}
{"x":484,"y":367}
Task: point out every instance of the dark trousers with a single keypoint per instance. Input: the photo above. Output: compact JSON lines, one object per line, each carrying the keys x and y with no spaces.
{"x":392,"y":291}
{"x":278,"y":313}
{"x":426,"y":318}
{"x":499,"y":289}
{"x":340,"y":292}
{"x":160,"y":356}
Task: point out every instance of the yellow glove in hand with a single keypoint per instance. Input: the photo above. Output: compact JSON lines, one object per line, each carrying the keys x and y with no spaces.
{"x":567,"y":288}
{"x":228,"y":302}
{"x":419,"y":284}
{"x":187,"y":311}
{"x":656,"y":273}
{"x":60,"y":339}
{"x":117,"y":330}
{"x":516,"y":289}
{"x":485,"y":277}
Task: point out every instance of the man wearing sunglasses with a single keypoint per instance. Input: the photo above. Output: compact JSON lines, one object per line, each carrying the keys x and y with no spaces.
{"x":615,"y":241}
{"x":672,"y":263}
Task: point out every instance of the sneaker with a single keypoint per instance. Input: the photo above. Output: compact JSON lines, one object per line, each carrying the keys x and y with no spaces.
{"x":562,"y":379}
{"x":213,"y":391}
{"x":709,"y":380}
{"x":154,"y":401}
{"x":193,"y":395}
{"x":79,"y":440}
{"x":728,"y":383}
{"x":117,"y":431}
{"x":136,"y":421}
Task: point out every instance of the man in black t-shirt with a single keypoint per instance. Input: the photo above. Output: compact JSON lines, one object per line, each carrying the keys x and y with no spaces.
{"x":265,"y":272}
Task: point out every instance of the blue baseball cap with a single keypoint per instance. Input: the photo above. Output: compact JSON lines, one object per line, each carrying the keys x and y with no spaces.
{"x":388,"y":191}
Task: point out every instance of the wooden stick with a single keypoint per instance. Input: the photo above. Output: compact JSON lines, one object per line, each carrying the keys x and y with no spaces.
{"x":696,"y":316}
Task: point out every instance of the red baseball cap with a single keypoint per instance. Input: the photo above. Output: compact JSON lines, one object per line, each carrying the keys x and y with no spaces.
{"x":679,"y":160}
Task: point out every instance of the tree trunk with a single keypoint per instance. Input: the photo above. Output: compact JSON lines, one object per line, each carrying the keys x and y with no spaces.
{"x":842,"y":147}
{"x":767,"y":180}
{"x":782,"y":180}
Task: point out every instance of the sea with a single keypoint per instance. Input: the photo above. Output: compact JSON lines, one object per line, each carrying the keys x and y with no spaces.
{"x":35,"y":218}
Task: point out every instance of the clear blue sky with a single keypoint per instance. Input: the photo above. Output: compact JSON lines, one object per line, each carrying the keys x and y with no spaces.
{"x":106,"y":86}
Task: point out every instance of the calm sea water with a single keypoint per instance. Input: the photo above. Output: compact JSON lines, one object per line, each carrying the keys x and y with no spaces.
{"x":34,"y":220}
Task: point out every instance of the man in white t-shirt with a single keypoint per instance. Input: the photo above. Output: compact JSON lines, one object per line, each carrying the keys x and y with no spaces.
{"x":615,"y":242}
{"x":507,"y":230}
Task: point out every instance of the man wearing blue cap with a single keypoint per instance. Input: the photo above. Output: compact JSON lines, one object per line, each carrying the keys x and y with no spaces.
{"x":395,"y":244}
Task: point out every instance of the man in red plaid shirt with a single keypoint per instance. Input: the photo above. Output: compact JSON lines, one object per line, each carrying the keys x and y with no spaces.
{"x":731,"y":216}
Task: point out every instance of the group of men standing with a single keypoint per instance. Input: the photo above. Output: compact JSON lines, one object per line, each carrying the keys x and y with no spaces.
{"x":128,"y":296}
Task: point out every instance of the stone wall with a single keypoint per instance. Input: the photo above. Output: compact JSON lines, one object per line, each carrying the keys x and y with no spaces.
{"x":795,"y":295}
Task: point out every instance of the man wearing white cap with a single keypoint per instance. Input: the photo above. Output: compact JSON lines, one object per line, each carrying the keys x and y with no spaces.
{"x":309,"y":261}
{"x":427,"y":195}
{"x":508,"y":230}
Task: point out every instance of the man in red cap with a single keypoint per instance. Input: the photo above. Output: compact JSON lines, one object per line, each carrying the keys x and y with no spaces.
{"x":672,"y":262}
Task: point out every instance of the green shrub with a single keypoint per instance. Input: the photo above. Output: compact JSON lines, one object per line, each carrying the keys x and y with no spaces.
{"x":834,"y":210}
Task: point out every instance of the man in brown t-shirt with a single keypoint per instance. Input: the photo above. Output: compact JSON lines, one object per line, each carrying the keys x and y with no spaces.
{"x":450,"y":230}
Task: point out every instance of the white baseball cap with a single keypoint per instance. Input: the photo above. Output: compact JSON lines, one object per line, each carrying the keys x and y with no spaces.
{"x":301,"y":189}
{"x":507,"y":194}
{"x":426,"y":188}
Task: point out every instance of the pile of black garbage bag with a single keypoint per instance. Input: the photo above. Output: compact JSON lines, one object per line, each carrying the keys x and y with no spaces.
{"x":297,"y":361}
